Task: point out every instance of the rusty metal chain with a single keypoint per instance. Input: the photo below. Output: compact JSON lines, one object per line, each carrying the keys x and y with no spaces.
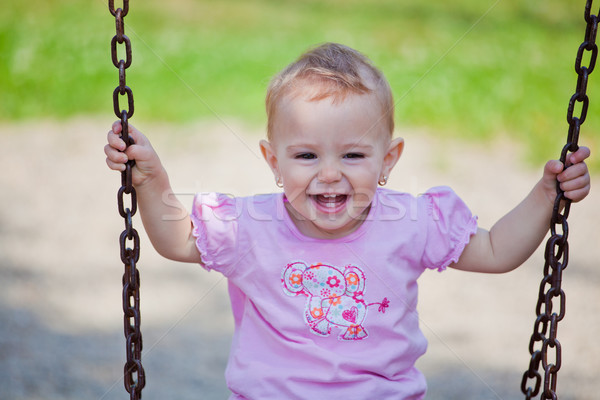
{"x":134,"y":377}
{"x":544,"y":347}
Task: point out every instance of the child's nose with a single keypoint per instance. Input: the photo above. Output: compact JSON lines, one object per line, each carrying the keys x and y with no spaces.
{"x":329,"y":173}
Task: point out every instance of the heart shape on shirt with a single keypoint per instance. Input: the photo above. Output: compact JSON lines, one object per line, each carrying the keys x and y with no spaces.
{"x":350,"y":315}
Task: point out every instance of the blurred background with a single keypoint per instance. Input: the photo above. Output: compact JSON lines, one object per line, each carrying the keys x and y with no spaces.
{"x":481,"y":91}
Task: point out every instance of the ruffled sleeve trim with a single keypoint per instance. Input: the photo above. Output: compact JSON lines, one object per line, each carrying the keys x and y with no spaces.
{"x":199,"y":232}
{"x":459,"y":243}
{"x":451,"y":225}
{"x":215,"y":226}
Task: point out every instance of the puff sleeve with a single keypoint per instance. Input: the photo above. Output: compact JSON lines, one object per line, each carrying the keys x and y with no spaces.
{"x":215,"y":226}
{"x":450,"y":225}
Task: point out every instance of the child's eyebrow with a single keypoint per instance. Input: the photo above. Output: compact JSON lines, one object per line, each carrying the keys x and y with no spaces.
{"x":358,"y":146}
{"x":350,"y":147}
{"x":347,"y":147}
{"x":296,"y":147}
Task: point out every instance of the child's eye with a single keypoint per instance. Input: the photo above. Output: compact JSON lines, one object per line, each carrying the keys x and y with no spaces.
{"x":354,"y":155}
{"x":306,"y":156}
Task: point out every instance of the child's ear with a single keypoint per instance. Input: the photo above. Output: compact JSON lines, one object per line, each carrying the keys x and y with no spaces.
{"x":393,"y":154}
{"x":266,"y":148}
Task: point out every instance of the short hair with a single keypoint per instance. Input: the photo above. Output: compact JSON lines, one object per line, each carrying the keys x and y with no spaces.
{"x":333,"y":71}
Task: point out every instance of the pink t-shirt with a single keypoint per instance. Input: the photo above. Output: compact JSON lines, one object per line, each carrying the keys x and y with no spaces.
{"x":334,"y":318}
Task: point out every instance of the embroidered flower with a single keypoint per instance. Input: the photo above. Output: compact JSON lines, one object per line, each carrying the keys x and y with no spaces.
{"x":352,"y":279}
{"x":333,"y":281}
{"x":316,"y":312}
{"x":354,"y":329}
{"x":358,"y":296}
{"x":309,"y":275}
{"x":335,"y":300}
{"x":325,"y":293}
{"x":296,"y":279}
{"x":385,"y":303}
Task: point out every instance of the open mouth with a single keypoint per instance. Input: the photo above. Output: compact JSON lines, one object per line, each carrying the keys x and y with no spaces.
{"x":330,"y":203}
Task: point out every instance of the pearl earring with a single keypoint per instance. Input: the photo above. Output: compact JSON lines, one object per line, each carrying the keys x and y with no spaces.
{"x":278,"y":182}
{"x":383,"y":180}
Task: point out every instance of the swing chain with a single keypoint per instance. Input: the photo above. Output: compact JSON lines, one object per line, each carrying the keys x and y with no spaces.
{"x":556,"y":254}
{"x":134,"y":377}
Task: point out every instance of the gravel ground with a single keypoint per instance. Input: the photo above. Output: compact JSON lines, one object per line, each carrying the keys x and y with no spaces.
{"x":61,"y":334}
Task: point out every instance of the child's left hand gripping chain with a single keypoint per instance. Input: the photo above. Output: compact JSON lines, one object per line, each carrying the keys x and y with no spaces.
{"x":147,"y":163}
{"x":574,"y":180}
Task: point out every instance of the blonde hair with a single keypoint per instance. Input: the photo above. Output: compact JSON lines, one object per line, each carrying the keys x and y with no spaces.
{"x":333,"y":71}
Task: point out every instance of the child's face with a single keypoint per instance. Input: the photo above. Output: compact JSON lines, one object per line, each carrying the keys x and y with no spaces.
{"x":330,"y":158}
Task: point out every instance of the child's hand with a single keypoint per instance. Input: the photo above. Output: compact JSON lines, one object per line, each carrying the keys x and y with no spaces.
{"x":574,"y":180}
{"x":147,"y":163}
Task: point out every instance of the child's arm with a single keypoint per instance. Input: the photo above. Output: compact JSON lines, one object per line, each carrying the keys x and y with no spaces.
{"x":516,"y":235}
{"x":172,"y":238}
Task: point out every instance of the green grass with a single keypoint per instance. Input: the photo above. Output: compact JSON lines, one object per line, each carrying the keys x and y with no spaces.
{"x":470,"y":69}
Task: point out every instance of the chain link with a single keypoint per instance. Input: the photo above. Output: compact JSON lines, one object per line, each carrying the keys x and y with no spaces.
{"x":129,"y":240}
{"x":544,"y":347}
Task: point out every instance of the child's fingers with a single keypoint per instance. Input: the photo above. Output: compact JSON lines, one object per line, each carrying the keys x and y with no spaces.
{"x":574,"y":171}
{"x":575,"y":163}
{"x":115,"y":159}
{"x":580,"y":155}
{"x":117,"y":127}
{"x":578,"y":194}
{"x":114,"y":154}
{"x":552,"y":169}
{"x":575,"y":180}
{"x":115,"y":166}
{"x":575,"y":183}
{"x":114,"y":136}
{"x":115,"y":141}
{"x":133,"y":132}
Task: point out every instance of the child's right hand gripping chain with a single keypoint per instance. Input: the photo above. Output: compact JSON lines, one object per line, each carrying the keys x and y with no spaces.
{"x":171,"y":237}
{"x":147,"y":163}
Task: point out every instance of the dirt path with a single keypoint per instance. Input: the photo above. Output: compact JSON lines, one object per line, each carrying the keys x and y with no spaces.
{"x":61,"y":331}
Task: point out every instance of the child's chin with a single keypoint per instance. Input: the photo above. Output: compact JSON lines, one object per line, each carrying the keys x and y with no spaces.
{"x":338,"y":228}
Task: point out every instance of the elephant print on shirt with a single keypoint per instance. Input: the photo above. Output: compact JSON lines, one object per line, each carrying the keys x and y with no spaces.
{"x":335,"y":297}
